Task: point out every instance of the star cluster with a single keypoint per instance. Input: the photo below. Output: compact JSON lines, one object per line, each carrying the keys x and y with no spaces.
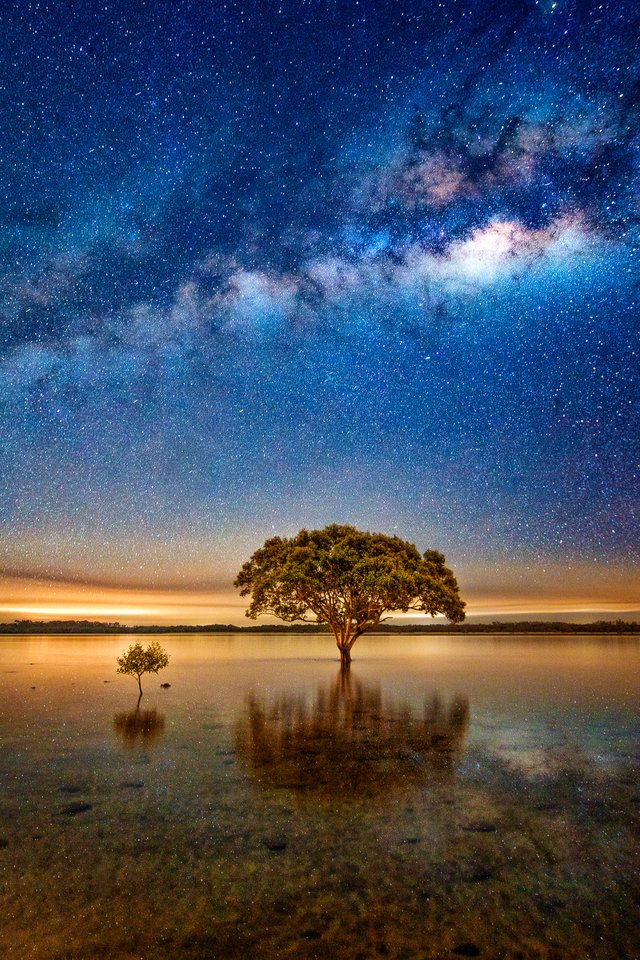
{"x":270,"y":265}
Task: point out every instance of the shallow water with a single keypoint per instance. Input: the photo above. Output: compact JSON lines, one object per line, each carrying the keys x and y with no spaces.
{"x":450,"y":797}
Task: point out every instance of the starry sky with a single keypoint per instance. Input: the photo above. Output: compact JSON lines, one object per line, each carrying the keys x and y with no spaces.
{"x":272,"y":265}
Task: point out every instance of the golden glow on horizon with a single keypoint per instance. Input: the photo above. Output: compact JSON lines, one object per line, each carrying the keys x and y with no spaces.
{"x":22,"y":598}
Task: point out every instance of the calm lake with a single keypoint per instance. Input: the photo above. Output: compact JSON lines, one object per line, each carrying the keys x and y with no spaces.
{"x":451,"y":796}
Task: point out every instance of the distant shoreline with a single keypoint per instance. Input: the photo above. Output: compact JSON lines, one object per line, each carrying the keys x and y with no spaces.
{"x":530,"y":627}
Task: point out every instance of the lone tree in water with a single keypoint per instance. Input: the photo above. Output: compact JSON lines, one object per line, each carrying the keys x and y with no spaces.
{"x":347,"y":579}
{"x":136,"y":660}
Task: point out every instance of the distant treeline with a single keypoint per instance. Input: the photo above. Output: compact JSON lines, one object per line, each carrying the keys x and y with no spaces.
{"x":497,"y":626}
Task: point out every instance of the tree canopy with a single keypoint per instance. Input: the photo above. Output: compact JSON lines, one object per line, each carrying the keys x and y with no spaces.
{"x":137,"y":660}
{"x":347,"y":579}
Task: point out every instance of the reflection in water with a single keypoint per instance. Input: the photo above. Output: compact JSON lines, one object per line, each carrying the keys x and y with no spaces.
{"x":139,"y":727}
{"x":350,"y":742}
{"x":532,"y":852}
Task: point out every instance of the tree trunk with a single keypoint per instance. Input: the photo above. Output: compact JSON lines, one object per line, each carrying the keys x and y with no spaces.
{"x":346,"y":635}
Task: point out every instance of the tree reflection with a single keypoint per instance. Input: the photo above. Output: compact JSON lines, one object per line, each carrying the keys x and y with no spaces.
{"x":139,"y":727}
{"x":349,"y":741}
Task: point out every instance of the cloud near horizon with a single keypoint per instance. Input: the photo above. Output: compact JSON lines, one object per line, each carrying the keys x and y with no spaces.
{"x":545,"y":595}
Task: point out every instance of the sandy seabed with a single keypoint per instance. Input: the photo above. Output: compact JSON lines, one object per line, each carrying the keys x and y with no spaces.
{"x":314,"y":816}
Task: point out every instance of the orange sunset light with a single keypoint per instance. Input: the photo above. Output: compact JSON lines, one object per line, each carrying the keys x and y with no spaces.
{"x":39,"y":599}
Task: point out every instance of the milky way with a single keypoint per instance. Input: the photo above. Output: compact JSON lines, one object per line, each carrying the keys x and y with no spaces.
{"x":273,"y":265}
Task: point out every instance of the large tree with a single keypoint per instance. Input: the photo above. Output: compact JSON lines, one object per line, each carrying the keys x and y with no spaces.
{"x":348,"y":580}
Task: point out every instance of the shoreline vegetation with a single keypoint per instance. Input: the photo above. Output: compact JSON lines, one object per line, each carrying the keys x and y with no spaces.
{"x":495,"y":627}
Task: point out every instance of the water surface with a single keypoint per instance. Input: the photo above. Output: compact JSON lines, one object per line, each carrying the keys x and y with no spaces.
{"x":449,"y":797}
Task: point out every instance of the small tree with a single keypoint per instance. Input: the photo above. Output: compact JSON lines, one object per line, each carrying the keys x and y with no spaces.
{"x":347,"y":579}
{"x":136,"y":660}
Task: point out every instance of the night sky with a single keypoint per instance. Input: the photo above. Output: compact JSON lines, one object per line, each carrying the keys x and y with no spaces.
{"x":273,"y":265}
